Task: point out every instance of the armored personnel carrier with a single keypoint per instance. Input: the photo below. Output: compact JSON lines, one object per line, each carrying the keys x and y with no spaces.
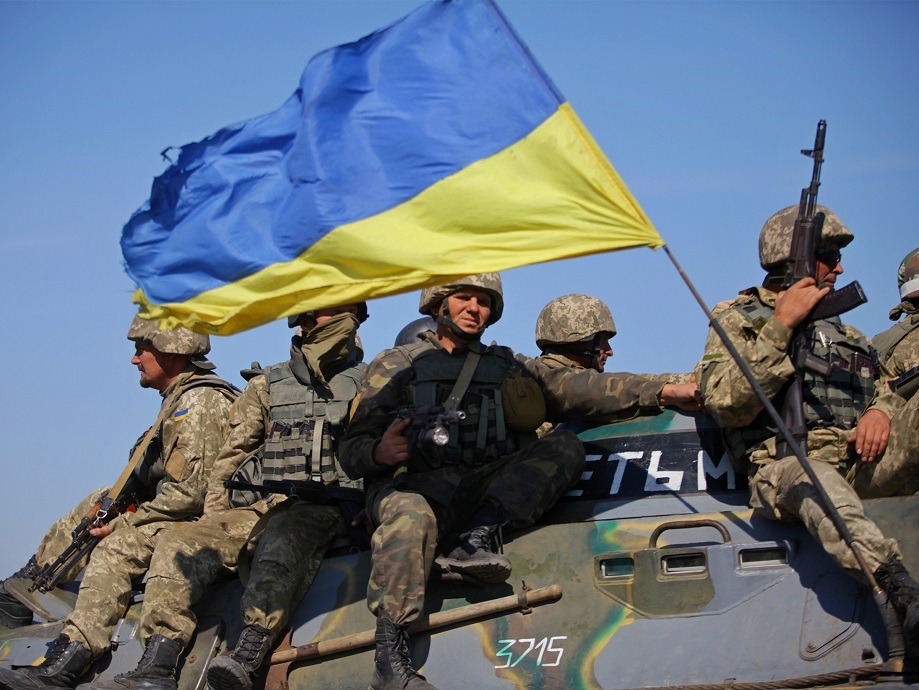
{"x":652,"y":572}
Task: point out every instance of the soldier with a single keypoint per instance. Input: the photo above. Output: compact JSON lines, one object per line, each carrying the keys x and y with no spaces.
{"x":489,"y":471}
{"x":575,"y":330}
{"x":760,"y":323}
{"x":896,"y":473}
{"x":174,"y":471}
{"x":294,"y":413}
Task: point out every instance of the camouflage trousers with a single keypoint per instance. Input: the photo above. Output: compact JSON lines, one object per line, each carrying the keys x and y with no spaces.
{"x":283,"y":567}
{"x":59,"y":536}
{"x":105,"y":592}
{"x":897,"y":472}
{"x":781,"y":490}
{"x":186,"y":562}
{"x":409,"y":524}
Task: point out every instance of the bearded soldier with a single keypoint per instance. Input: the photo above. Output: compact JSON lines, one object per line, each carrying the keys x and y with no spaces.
{"x":293,"y":413}
{"x":178,"y":457}
{"x":841,"y":425}
{"x":443,"y":436}
{"x":896,"y":473}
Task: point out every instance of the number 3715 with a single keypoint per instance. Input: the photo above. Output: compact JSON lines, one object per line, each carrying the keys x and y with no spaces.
{"x":517,"y":650}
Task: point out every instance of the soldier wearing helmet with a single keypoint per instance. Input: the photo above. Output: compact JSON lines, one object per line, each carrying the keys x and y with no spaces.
{"x":847,"y":416}
{"x":575,"y":330}
{"x":178,"y":450}
{"x":897,"y":471}
{"x":286,"y":425}
{"x":444,"y":438}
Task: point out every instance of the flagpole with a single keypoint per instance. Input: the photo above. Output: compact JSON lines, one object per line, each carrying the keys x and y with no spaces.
{"x":896,"y":646}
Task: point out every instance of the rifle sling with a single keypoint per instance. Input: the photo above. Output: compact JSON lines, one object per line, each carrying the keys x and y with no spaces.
{"x":141,"y":448}
{"x":462,"y":382}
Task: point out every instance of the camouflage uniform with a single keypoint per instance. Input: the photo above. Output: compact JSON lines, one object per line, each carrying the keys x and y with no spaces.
{"x":897,"y":471}
{"x":191,"y":434}
{"x":779,"y":487}
{"x":442,"y":491}
{"x":297,"y":533}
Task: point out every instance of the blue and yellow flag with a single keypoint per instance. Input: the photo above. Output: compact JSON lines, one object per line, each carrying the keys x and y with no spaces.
{"x":432,"y":149}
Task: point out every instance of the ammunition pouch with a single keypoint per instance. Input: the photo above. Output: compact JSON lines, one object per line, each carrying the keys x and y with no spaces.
{"x":524,"y":402}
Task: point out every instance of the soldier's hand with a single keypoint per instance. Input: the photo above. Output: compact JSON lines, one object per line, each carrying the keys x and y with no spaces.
{"x":100,"y":531}
{"x":685,"y":396}
{"x":794,"y":304}
{"x":393,"y":445}
{"x":871,"y":434}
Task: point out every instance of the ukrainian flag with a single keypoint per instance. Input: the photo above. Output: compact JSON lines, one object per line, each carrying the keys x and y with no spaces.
{"x":432,"y":149}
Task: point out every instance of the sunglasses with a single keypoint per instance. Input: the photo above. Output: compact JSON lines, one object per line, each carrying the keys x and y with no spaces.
{"x":829,"y":257}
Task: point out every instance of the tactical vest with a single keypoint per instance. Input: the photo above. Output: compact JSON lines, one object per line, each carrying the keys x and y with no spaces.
{"x":886,"y":342}
{"x":834,"y":400}
{"x":305,"y":426}
{"x":151,"y":471}
{"x":482,"y":435}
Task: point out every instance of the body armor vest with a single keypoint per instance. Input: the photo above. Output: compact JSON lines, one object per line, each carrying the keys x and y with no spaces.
{"x":307,"y":425}
{"x":836,"y":399}
{"x":482,"y":435}
{"x":886,"y":342}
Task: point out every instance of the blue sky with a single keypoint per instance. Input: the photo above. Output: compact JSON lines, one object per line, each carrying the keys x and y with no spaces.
{"x":702,"y":106}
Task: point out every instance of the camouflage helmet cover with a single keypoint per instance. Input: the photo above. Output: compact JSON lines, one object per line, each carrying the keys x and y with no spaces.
{"x":908,"y":276}
{"x":571,"y":319}
{"x":180,"y":341}
{"x":489,"y":282}
{"x":775,"y":237}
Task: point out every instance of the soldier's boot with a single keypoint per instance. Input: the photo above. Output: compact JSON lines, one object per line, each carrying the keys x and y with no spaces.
{"x":477,"y":552}
{"x":392,"y":661}
{"x":236,"y":669}
{"x":155,"y":670}
{"x":65,"y":664}
{"x":903,"y":592}
{"x":13,"y":613}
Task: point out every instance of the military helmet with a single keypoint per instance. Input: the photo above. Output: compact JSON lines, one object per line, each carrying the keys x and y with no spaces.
{"x":572,"y":319}
{"x":489,"y":282}
{"x":362,"y":315}
{"x":410,"y":332}
{"x":775,"y":237}
{"x":908,"y":276}
{"x":179,"y":341}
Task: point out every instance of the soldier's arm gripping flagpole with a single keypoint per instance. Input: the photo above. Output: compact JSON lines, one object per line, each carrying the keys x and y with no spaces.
{"x":895,"y":644}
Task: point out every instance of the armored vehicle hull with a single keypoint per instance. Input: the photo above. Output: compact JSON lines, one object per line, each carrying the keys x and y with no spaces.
{"x":652,"y":572}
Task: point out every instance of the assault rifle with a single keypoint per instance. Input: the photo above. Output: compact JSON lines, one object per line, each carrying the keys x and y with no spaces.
{"x":430,"y":426}
{"x":123,"y":497}
{"x":805,"y":239}
{"x":302,"y":489}
{"x":111,"y":506}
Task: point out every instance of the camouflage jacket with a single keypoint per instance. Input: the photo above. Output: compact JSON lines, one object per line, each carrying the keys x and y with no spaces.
{"x":191,"y":434}
{"x":901,"y":357}
{"x":731,"y":400}
{"x":570,"y":394}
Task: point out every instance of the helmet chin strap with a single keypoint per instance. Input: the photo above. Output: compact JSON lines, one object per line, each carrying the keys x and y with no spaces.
{"x":591,"y":350}
{"x":443,"y":319}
